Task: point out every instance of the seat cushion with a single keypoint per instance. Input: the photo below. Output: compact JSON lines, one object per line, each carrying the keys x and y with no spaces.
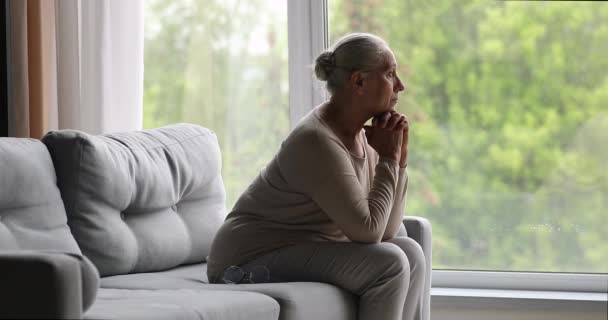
{"x":298,"y":300}
{"x":32,"y":215}
{"x":141,"y":201}
{"x":182,"y":304}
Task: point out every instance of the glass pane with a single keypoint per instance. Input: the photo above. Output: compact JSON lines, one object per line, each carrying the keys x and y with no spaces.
{"x":509,"y":108}
{"x":223,"y":65}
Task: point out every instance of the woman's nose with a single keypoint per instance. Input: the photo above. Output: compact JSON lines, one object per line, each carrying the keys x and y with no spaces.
{"x":399,"y":86}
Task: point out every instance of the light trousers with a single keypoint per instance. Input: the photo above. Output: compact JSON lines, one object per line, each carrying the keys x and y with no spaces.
{"x":389,"y":277}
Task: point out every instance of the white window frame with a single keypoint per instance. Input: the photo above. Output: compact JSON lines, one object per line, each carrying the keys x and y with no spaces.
{"x":308,"y":35}
{"x":533,"y":281}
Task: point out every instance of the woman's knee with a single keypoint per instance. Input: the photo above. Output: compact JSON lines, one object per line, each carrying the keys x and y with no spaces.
{"x":393,"y":258}
{"x":412,"y":250}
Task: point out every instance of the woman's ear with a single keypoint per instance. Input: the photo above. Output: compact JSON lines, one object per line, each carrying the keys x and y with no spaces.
{"x":357,"y":81}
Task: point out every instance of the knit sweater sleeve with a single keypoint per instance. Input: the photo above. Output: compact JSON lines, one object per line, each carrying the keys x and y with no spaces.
{"x":398,"y":209}
{"x":319,"y":166}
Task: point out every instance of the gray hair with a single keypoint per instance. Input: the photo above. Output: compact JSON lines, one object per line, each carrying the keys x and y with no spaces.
{"x":353,"y":52}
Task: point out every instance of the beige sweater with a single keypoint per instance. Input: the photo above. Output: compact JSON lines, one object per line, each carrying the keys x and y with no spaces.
{"x":314,"y":189}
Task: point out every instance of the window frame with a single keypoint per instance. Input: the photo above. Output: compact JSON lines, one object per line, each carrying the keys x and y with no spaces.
{"x":521,"y":280}
{"x":308,"y":34}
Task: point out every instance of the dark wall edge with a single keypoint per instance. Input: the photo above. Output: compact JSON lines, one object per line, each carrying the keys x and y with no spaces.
{"x":3,"y":72}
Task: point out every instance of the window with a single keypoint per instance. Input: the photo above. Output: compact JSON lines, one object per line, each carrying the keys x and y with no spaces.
{"x":223,"y":65}
{"x":509,"y":108}
{"x":508,"y":102}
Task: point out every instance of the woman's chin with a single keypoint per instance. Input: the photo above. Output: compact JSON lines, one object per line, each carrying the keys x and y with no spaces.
{"x":390,"y":107}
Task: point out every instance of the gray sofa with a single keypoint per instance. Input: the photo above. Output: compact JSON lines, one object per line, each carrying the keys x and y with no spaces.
{"x":118,"y":227}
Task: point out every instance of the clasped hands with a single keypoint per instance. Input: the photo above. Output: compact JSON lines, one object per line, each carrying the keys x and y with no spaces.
{"x":389,"y":135}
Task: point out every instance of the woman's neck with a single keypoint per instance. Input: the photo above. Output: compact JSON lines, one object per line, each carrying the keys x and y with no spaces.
{"x":344,"y":116}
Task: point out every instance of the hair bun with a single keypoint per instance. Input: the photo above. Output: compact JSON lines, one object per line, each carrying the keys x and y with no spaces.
{"x":325,"y":65}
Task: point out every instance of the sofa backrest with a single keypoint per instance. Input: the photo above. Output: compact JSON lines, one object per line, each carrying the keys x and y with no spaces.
{"x":141,"y":201}
{"x":32,"y":215}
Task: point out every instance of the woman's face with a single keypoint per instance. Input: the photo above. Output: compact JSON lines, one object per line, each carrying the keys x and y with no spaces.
{"x":384,"y":86}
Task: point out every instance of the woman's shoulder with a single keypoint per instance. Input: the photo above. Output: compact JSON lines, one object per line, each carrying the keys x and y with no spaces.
{"x":311,"y":131}
{"x":310,"y":154}
{"x":310,"y":144}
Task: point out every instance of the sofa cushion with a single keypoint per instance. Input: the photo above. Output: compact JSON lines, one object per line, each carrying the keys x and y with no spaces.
{"x":298,"y":300}
{"x":141,"y":201}
{"x":32,"y":215}
{"x":182,"y":304}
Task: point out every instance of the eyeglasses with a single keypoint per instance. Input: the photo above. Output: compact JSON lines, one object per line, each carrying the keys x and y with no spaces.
{"x":255,"y":274}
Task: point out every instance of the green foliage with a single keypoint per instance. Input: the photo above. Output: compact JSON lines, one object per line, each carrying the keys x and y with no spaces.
{"x":201,"y":67}
{"x":508,"y":102}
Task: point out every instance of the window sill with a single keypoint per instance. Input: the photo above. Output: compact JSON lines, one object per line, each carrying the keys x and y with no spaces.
{"x":519,"y":294}
{"x":520,"y":281}
{"x":506,"y":304}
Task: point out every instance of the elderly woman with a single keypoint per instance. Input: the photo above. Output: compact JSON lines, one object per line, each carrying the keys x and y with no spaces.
{"x":329,"y":206}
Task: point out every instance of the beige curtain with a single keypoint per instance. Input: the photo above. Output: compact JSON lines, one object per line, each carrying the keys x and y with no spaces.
{"x":74,"y":64}
{"x":32,"y":73}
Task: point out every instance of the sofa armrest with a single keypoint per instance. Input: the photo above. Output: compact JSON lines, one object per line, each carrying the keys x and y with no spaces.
{"x":37,"y":284}
{"x":420,"y":230}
